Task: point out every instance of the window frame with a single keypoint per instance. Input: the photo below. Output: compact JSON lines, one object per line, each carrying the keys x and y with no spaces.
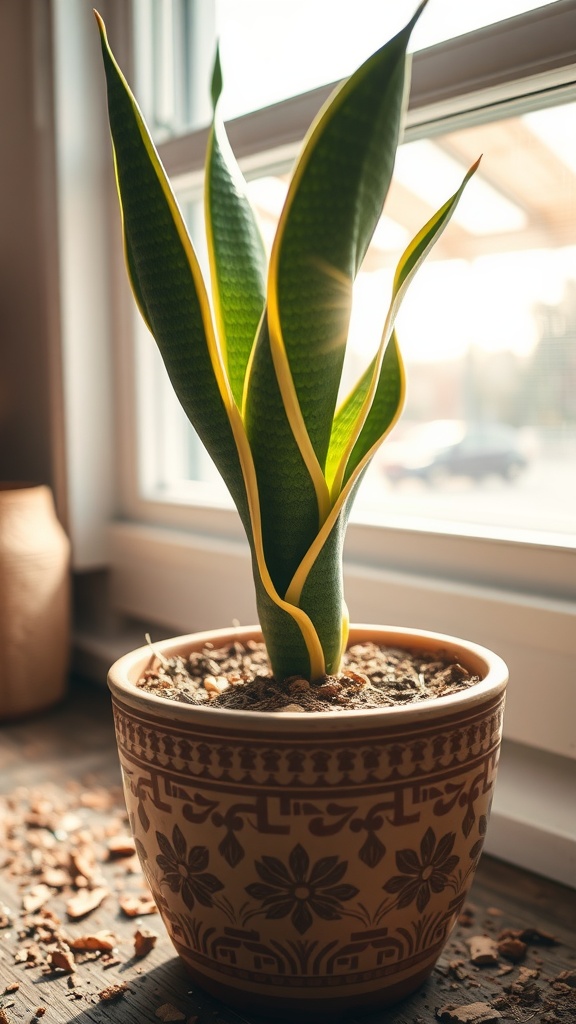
{"x":186,"y":565}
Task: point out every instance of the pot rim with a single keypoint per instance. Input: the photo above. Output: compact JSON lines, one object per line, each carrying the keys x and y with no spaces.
{"x":479,"y":660}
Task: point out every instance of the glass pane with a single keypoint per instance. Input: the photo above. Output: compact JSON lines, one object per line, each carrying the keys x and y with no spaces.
{"x":271,"y":51}
{"x":487,"y":329}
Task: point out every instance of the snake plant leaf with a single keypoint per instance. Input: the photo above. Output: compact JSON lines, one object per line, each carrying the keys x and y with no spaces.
{"x":369,"y":427}
{"x":288,"y":502}
{"x":385,"y":408}
{"x":286,"y":637}
{"x":170,"y":291}
{"x":259,"y":379}
{"x":235,"y":249}
{"x":217,"y":82}
{"x":317,"y":587}
{"x":384,"y":411}
{"x":167,"y":280}
{"x":333,"y":204}
{"x":355,"y":437}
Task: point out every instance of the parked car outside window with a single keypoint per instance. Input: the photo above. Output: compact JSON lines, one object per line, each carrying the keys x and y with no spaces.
{"x":435,"y":451}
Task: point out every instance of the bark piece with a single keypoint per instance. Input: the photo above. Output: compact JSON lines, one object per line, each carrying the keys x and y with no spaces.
{"x":466,"y":917}
{"x":456,"y":969}
{"x":108,"y":995}
{"x":56,"y":877}
{"x":86,"y":901}
{"x":526,"y":975}
{"x":536,"y":937}
{"x":524,"y":991}
{"x":83,"y":865}
{"x":167,"y":1012}
{"x":109,"y":960}
{"x":144,"y":941}
{"x":567,"y":978}
{"x":69,"y":822}
{"x":512,"y":949}
{"x":103,"y":942}
{"x":29,"y":954}
{"x":5,"y":917}
{"x":35,"y":898}
{"x":471,"y":1013}
{"x":531,"y":936}
{"x":121,"y":846}
{"x":483,"y":950}
{"x":62,"y":959}
{"x":134,"y":905}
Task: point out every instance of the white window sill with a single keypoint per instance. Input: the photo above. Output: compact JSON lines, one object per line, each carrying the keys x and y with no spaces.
{"x":533,"y":820}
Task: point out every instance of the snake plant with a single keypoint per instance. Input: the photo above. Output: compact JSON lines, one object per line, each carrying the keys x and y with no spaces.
{"x":257,"y":368}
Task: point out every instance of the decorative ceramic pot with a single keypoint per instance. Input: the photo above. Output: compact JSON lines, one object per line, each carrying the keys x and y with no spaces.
{"x":310,"y":863}
{"x":34,"y":601}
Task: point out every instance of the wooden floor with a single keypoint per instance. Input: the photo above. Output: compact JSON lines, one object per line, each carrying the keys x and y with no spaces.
{"x":68,"y":754}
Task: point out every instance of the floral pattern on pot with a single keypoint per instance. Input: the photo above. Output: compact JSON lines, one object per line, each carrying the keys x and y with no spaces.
{"x":238,"y":837}
{"x":184,"y":872}
{"x":299,"y":891}
{"x":424,"y":875}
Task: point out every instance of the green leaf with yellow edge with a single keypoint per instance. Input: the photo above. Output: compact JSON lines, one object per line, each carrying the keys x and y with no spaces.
{"x":366,"y":430}
{"x":265,"y":407}
{"x":169,"y":289}
{"x":340,"y":150}
{"x":287,"y":496}
{"x":170,"y":292}
{"x":384,"y":411}
{"x":334,"y":202}
{"x":167,"y":281}
{"x":285,"y":643}
{"x":318,"y":590}
{"x":235,"y":249}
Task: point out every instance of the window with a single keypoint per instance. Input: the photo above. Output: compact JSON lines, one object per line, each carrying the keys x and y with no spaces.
{"x":488,"y":436}
{"x":487,"y":441}
{"x":431,"y":545}
{"x":296,"y":45}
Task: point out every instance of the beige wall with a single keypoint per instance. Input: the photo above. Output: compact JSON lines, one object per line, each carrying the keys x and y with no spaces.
{"x":30,"y":380}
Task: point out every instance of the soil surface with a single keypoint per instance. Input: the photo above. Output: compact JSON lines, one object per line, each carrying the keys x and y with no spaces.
{"x":239,"y":677}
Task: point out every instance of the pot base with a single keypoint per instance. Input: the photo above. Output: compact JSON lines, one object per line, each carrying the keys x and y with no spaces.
{"x":276,"y":1001}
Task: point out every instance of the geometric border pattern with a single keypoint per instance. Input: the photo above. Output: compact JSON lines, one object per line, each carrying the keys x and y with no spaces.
{"x":305,"y":861}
